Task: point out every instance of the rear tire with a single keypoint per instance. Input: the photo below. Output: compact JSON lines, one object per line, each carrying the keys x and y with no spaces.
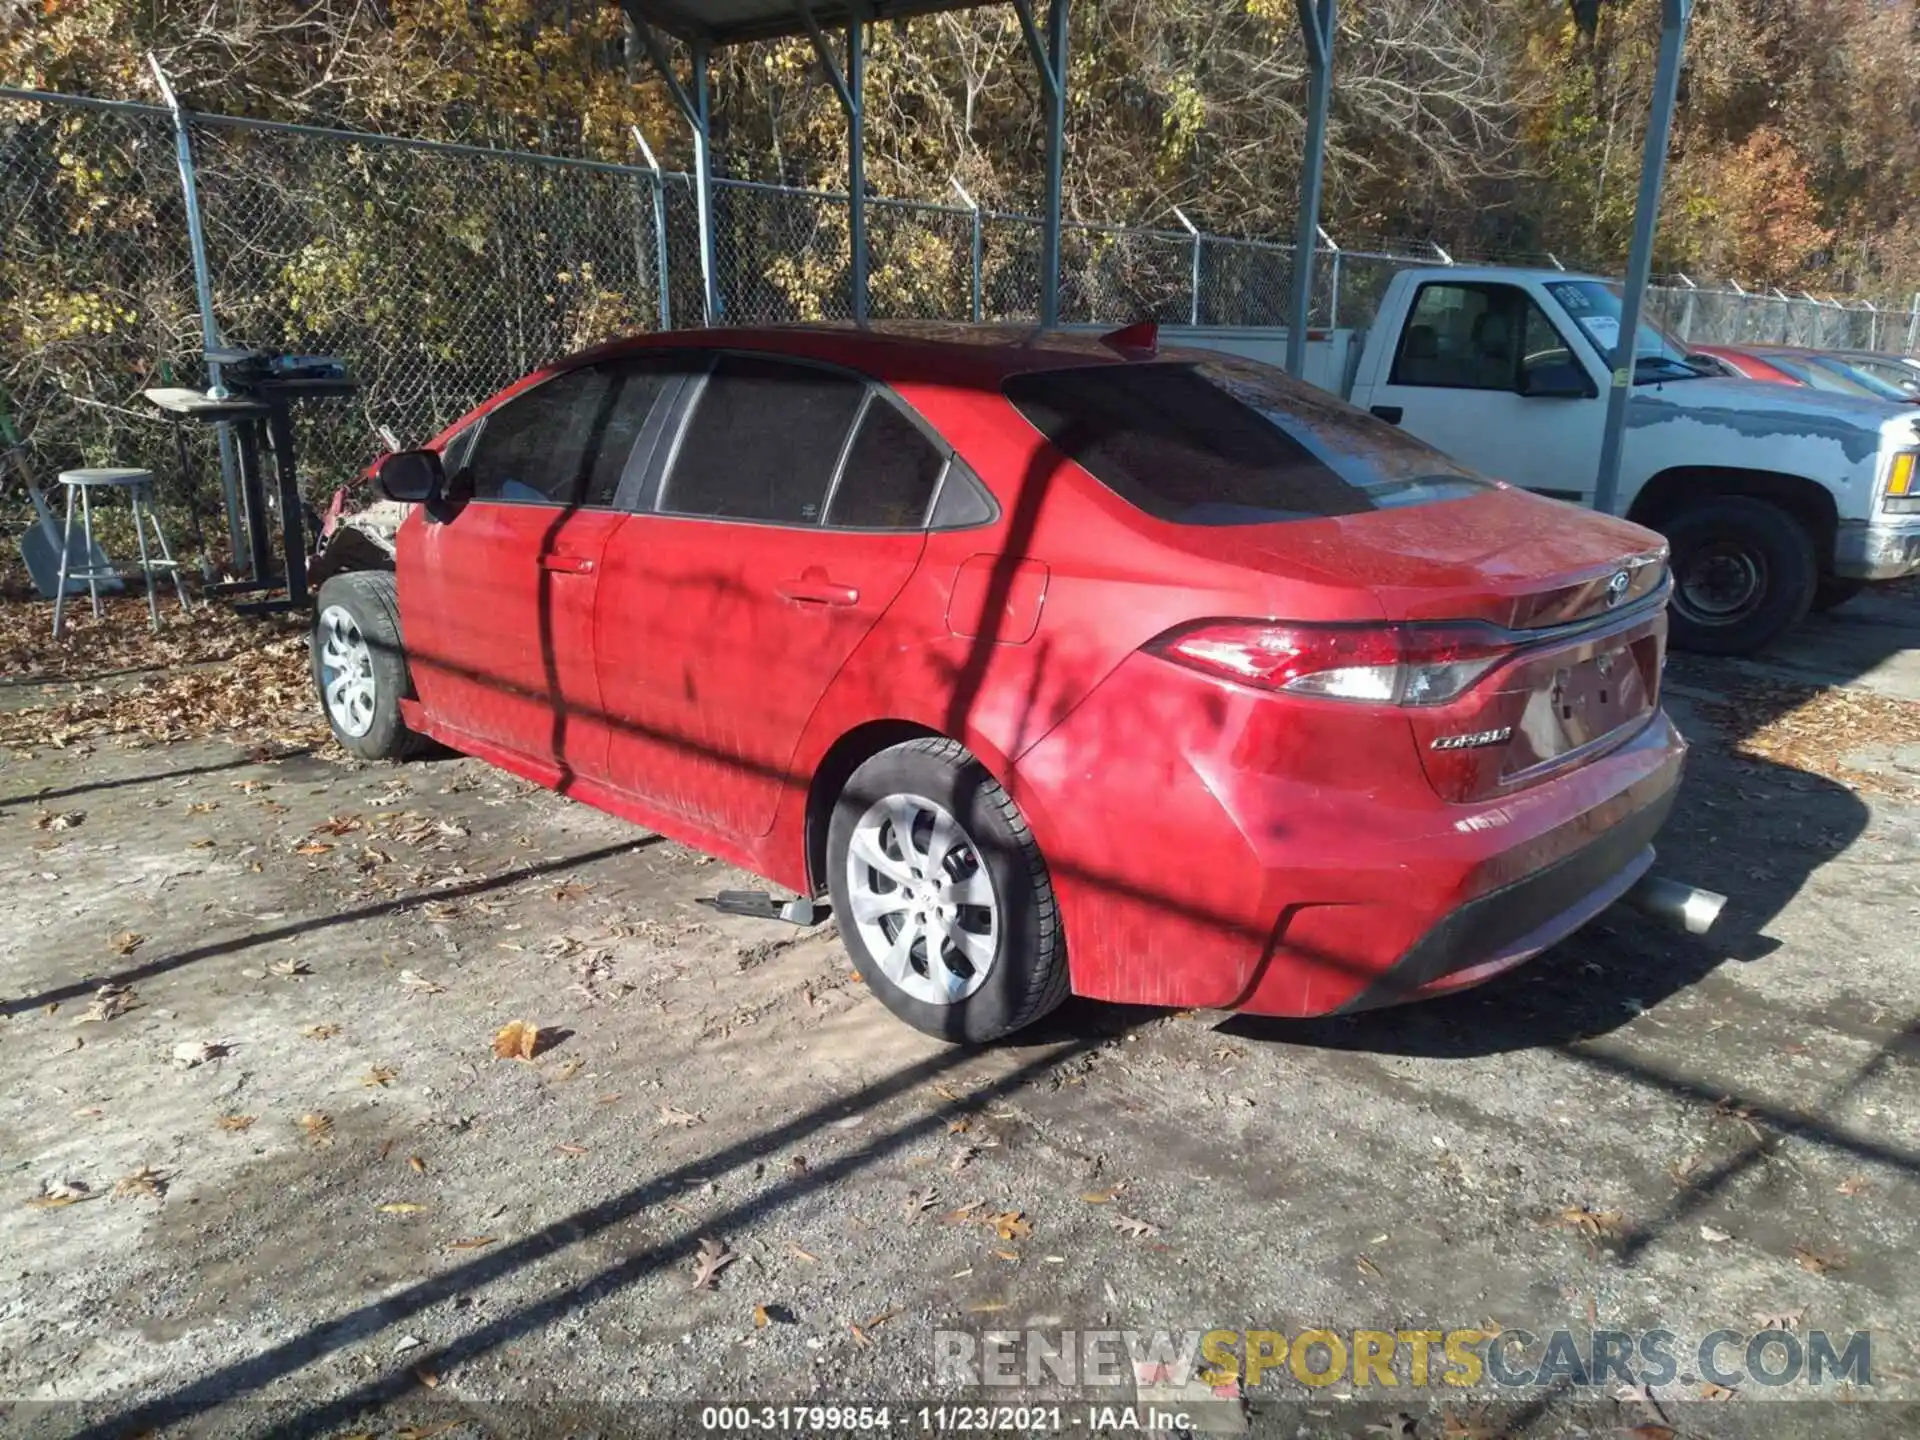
{"x":1744,"y":573}
{"x":1832,"y":592}
{"x":942,"y":896}
{"x":359,"y":668}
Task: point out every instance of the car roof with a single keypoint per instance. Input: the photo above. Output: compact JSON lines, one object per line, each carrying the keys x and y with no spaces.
{"x":888,"y":347}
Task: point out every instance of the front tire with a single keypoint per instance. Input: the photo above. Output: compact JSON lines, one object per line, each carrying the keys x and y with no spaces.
{"x":942,"y":896}
{"x":1744,"y":573}
{"x":359,"y":668}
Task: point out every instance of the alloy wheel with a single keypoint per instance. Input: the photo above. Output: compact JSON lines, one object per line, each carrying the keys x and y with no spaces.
{"x":921,"y":899}
{"x":346,"y":671}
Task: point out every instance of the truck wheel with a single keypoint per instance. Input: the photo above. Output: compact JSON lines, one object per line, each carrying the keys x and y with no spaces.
{"x":359,"y":669}
{"x":1832,"y":592}
{"x":1743,"y":574}
{"x":942,"y":896}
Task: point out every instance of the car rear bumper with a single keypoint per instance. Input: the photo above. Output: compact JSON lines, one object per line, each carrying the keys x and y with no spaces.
{"x":1877,"y":549}
{"x":1286,"y":869}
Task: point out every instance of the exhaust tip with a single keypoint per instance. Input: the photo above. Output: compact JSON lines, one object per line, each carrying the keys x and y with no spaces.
{"x":1674,"y":902}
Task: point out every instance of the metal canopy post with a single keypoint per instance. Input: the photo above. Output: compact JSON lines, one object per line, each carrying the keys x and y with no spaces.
{"x":695,"y":109}
{"x":1050,"y":59}
{"x":849,"y":88}
{"x":203,"y":294}
{"x":1674,"y":15}
{"x":1316,"y":27}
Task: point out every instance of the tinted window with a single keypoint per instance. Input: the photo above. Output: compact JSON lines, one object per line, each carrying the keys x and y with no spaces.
{"x":638,"y":384}
{"x":891,"y":473}
{"x":763,"y":441}
{"x":537,"y":446}
{"x":1228,"y":443}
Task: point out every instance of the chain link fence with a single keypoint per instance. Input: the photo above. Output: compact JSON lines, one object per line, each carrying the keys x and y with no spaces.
{"x":442,"y":272}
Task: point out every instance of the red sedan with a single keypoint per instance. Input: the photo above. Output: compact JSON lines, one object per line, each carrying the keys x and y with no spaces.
{"x":1060,"y":665}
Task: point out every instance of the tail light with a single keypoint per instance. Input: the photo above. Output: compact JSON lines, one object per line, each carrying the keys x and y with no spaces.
{"x":1376,"y":664}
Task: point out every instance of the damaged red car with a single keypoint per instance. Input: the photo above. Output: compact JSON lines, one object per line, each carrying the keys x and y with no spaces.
{"x":1060,"y":666}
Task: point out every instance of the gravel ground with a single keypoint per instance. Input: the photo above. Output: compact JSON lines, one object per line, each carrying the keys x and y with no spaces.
{"x":279,"y":1177}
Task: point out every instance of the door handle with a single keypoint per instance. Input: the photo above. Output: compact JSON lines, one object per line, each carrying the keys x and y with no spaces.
{"x":567,"y":564}
{"x":814,"y":590}
{"x":1389,"y":413}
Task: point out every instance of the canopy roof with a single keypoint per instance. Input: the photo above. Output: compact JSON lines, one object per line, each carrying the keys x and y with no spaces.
{"x":729,"y":22}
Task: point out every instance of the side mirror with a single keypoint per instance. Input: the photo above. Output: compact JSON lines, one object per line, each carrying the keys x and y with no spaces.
{"x":413,"y":476}
{"x":1562,"y":381}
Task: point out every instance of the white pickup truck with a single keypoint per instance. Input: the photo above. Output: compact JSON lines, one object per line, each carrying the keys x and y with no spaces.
{"x":1774,"y":499}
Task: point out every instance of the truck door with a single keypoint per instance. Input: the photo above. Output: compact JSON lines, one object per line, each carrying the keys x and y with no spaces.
{"x":1480,"y":371}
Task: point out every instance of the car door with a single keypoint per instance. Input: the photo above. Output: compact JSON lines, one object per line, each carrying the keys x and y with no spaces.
{"x":499,"y":599}
{"x":787,"y":515}
{"x":1480,"y":372}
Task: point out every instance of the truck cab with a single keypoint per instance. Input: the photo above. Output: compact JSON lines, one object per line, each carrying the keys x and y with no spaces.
{"x":1773,"y":500}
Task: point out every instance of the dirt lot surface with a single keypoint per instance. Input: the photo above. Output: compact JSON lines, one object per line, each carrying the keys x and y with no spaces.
{"x":261,"y":1166}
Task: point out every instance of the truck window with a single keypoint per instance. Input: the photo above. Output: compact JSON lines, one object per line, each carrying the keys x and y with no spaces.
{"x":1480,"y":337}
{"x":1229,"y":443}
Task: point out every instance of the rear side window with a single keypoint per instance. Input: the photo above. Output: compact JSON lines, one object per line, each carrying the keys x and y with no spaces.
{"x":891,"y":473}
{"x":763,"y":441}
{"x":1228,"y":443}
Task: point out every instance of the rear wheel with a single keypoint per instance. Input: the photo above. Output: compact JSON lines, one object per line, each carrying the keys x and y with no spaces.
{"x":359,"y":668}
{"x":1832,"y":592}
{"x":1743,"y":574}
{"x":941,"y":894}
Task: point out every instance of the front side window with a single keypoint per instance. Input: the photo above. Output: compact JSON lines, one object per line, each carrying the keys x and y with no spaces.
{"x":1229,"y":442}
{"x":536,"y":448}
{"x":1479,"y":337}
{"x":1595,"y":307}
{"x":763,"y":441}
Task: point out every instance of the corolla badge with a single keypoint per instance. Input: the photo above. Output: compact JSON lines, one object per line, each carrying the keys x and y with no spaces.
{"x":1617,"y":588}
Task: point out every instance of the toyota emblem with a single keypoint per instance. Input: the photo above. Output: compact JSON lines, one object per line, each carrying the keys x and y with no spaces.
{"x":1617,"y":588}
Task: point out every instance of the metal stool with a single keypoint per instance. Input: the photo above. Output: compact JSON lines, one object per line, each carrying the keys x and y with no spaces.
{"x":139,"y":487}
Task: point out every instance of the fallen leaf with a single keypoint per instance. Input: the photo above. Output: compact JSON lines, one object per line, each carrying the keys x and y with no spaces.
{"x":1711,"y":1391}
{"x":420,"y":985}
{"x":1011,"y":1225}
{"x":1780,"y":1320}
{"x":1713,"y":1235}
{"x":203,"y":807}
{"x":1592,"y":1223}
{"x":417,"y":1163}
{"x":759,"y":1317}
{"x":321,"y":1032}
{"x":65,"y":820}
{"x":1012,"y":1257}
{"x":126,"y":942}
{"x":287,"y":969}
{"x":401,"y":1207}
{"x":517,"y":1040}
{"x":961,"y":1159}
{"x":1852,"y":1185}
{"x":62,"y":1193}
{"x":189,"y":1053}
{"x":237,"y":1123}
{"x":1651,"y":1432}
{"x":714,"y":1257}
{"x":380,"y":1075}
{"x":859,"y":1335}
{"x":1815,"y":1262}
{"x":473,"y":1243}
{"x":144,"y":1182}
{"x":313,"y":847}
{"x":319,"y":1127}
{"x":987,"y":1307}
{"x":572,"y":1068}
{"x":669,"y":1115}
{"x":807,"y":1256}
{"x":1136,"y":1229}
{"x":1366,"y":1266}
{"x":109,"y":1003}
{"x":1102,"y":1197}
{"x":571,"y":1149}
{"x":427,"y":1378}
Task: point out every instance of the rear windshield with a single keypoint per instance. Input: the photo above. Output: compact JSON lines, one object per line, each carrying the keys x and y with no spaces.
{"x":1227,"y":442}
